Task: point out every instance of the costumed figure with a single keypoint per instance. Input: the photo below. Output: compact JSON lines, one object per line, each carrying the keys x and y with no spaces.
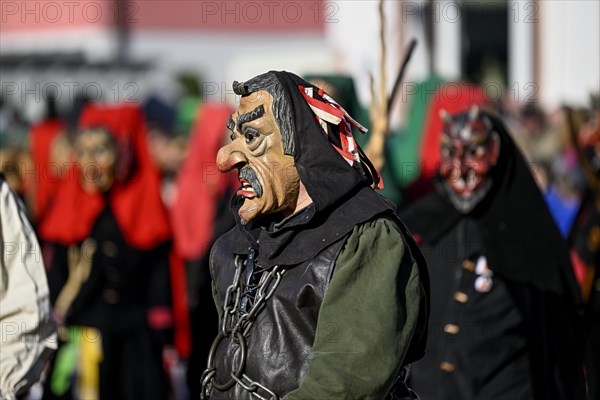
{"x":50,"y":151}
{"x":321,"y":291}
{"x":503,"y":293}
{"x":106,"y":237}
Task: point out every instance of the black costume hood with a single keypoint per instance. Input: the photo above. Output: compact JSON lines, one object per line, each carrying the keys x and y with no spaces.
{"x":327,"y":176}
{"x":519,"y":235}
{"x":341,"y":194}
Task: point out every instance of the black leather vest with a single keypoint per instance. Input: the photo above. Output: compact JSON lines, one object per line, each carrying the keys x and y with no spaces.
{"x":280,"y":341}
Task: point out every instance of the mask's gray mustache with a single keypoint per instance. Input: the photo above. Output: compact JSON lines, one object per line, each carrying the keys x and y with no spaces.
{"x":249,"y":176}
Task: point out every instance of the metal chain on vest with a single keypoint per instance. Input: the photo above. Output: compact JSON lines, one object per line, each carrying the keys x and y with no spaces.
{"x":240,"y":308}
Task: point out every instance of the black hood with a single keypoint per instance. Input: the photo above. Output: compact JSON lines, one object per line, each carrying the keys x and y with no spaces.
{"x":326,"y":175}
{"x":341,"y":194}
{"x":520,"y":238}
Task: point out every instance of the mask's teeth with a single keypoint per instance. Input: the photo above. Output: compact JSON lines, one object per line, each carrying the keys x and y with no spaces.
{"x":471,"y":176}
{"x":460,"y":183}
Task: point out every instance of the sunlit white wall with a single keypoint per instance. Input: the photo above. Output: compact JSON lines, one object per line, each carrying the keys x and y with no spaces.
{"x":569,"y":51}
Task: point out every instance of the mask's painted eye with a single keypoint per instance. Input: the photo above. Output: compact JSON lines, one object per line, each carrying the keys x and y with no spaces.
{"x":232,"y":136}
{"x":472,"y":151}
{"x":250,"y":134}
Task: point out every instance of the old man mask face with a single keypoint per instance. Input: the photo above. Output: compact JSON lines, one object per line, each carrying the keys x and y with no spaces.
{"x":260,"y":153}
{"x":470,"y":148}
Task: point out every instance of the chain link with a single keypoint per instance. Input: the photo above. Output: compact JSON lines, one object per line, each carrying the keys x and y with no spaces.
{"x":236,"y":323}
{"x":252,"y":387}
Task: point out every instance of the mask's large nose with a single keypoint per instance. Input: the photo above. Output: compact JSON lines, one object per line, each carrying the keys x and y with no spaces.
{"x":230,"y":157}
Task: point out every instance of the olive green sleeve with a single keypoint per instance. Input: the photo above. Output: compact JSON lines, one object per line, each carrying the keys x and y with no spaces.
{"x":367,"y":318}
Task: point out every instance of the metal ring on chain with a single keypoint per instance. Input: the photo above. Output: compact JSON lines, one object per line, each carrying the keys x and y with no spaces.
{"x":240,"y":369}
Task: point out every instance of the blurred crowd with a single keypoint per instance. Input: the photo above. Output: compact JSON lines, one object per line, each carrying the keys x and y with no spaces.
{"x":126,"y":200}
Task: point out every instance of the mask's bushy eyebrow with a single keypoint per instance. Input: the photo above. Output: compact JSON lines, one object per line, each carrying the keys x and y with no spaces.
{"x":230,"y":124}
{"x":250,"y":116}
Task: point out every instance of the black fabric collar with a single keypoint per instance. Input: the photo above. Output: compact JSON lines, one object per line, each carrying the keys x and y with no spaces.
{"x":519,"y":235}
{"x":303,"y":236}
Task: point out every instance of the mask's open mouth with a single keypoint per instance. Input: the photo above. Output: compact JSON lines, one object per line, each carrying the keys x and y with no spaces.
{"x":251,"y":186}
{"x":246,"y":190}
{"x":465,"y":185}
